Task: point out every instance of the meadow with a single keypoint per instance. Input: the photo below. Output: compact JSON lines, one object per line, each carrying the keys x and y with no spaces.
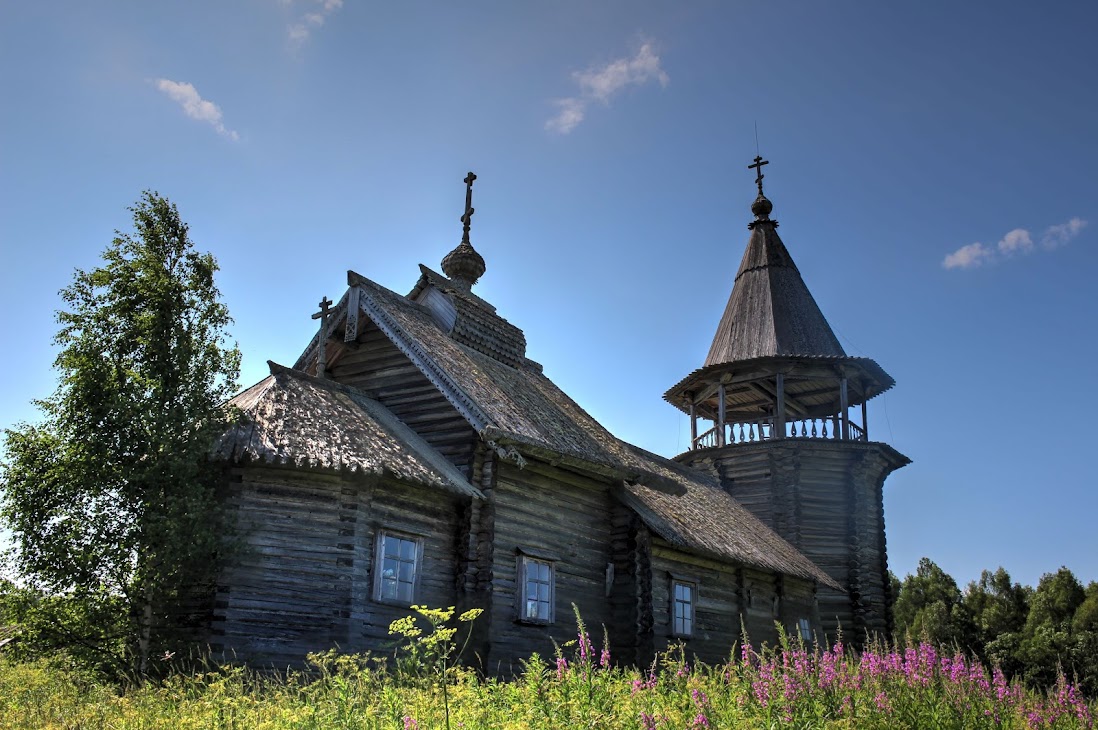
{"x":788,"y":685}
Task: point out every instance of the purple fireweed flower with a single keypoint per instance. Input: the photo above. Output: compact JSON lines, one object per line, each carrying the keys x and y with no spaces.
{"x":683,"y":670}
{"x":410,"y":723}
{"x":648,"y":722}
{"x":604,"y":658}
{"x":700,"y":721}
{"x":700,"y":698}
{"x":882,"y":703}
{"x":584,"y":646}
{"x":562,"y":666}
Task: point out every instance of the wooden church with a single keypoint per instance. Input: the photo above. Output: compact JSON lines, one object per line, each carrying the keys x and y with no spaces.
{"x":414,"y":455}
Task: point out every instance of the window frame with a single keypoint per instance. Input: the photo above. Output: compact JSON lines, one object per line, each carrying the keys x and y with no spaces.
{"x":524,"y":560}
{"x":379,"y":566}
{"x":692,"y":584}
{"x":804,"y":629}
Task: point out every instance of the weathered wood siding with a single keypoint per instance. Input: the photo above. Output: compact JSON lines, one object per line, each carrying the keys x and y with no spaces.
{"x":730,"y":598}
{"x":553,"y":511}
{"x":302,"y":577}
{"x":824,"y":497}
{"x":379,"y":368}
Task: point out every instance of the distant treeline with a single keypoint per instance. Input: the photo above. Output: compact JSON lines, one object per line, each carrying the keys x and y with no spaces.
{"x":1027,"y":632}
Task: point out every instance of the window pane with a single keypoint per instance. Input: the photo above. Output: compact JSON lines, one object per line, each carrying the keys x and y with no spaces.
{"x":543,"y":592}
{"x":532,"y":609}
{"x":542,"y":572}
{"x":407,"y":550}
{"x":388,"y":587}
{"x":405,"y":572}
{"x":687,"y":625}
{"x":390,"y":547}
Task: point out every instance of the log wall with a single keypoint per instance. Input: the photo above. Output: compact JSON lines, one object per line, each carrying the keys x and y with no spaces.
{"x":826,"y":498}
{"x":551,"y":511}
{"x":302,"y":577}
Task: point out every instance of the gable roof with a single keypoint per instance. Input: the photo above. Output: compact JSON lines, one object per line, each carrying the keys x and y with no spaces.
{"x":770,"y":311}
{"x":519,"y":406}
{"x":293,"y":418}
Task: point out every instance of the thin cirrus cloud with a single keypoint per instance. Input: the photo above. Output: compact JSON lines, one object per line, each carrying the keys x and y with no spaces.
{"x":1018,"y":241}
{"x":603,"y":82}
{"x":301,"y":29}
{"x":194,"y":106}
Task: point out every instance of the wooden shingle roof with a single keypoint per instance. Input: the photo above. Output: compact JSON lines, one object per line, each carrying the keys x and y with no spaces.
{"x":293,"y":418}
{"x":770,"y":311}
{"x":520,"y":407}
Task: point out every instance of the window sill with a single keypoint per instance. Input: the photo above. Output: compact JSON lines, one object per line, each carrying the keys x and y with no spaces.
{"x":533,"y":622}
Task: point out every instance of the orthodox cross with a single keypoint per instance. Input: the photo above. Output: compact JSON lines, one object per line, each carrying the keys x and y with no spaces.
{"x":468,"y":217}
{"x":322,"y":344}
{"x":758,"y":168}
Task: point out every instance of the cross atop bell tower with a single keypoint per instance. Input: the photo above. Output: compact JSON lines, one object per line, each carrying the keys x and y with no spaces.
{"x":758,"y":168}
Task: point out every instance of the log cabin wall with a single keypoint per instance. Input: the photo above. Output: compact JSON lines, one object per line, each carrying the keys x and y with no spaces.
{"x":729,"y":599}
{"x":825,"y":498}
{"x":716,"y":608}
{"x":302,"y":577}
{"x":561,"y":516}
{"x":377,"y":367}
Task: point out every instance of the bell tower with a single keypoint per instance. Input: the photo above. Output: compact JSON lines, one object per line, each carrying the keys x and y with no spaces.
{"x":787,"y":429}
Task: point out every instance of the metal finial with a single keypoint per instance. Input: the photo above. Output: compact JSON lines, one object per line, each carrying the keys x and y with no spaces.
{"x":758,"y":167}
{"x":467,"y":218}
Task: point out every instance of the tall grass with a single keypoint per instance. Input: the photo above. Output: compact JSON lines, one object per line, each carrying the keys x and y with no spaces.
{"x":788,"y":685}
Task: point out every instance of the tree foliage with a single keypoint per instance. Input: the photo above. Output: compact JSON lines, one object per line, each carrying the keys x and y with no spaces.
{"x":110,"y":496}
{"x":1031,"y":634}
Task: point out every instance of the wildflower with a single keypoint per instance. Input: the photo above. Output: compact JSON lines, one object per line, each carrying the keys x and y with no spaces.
{"x":700,"y":721}
{"x":410,"y":723}
{"x":881,"y":701}
{"x":648,"y":722}
{"x":584,"y":646}
{"x":700,"y":698}
{"x":562,"y":667}
{"x":604,"y":658}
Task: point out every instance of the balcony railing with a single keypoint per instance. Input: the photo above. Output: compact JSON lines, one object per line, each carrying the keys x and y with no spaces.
{"x":763,"y":429}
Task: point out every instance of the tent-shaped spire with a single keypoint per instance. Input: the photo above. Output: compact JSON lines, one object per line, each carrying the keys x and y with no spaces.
{"x":770,"y":311}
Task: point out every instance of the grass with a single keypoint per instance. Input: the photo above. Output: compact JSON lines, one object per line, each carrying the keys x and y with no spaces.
{"x":789,"y":685}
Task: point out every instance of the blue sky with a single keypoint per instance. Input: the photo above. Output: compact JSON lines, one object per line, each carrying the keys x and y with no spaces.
{"x":934,"y":166}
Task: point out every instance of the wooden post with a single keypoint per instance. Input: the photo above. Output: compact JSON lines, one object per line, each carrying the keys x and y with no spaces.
{"x":844,"y":405}
{"x":720,"y":416}
{"x":779,"y":414}
{"x":693,"y":425}
{"x":865,"y":421}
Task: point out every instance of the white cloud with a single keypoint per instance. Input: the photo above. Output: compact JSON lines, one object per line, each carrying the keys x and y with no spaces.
{"x":1056,"y":236}
{"x":968,"y":257}
{"x":300,"y":30}
{"x":571,"y":113}
{"x":601,"y":83}
{"x":194,"y":106}
{"x":1018,"y":241}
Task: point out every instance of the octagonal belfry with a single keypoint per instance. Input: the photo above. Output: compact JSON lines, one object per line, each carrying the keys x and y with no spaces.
{"x":788,"y":436}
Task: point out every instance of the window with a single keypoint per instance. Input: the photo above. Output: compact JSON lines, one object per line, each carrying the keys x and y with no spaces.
{"x":804,"y":628}
{"x":682,"y":607}
{"x":537,"y":590}
{"x":397,"y":560}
